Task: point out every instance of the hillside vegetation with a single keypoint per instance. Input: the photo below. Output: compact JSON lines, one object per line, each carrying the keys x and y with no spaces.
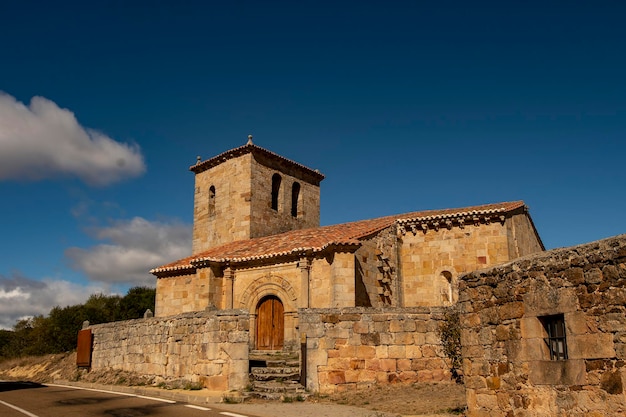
{"x":57,"y":332}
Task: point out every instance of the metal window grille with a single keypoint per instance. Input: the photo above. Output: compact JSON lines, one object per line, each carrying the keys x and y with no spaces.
{"x":556,"y":342}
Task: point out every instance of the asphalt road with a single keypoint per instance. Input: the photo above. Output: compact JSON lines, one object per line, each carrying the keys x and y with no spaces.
{"x":20,"y":399}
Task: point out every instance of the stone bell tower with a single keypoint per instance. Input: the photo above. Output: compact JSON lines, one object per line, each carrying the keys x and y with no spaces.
{"x":250,"y":192}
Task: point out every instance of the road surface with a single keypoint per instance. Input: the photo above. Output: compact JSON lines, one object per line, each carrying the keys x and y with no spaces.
{"x":24,"y":399}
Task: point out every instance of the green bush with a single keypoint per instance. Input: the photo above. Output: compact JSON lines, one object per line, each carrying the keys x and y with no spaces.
{"x":449,"y":331}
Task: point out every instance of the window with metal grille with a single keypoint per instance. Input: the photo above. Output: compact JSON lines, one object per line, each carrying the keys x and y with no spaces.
{"x":555,"y":340}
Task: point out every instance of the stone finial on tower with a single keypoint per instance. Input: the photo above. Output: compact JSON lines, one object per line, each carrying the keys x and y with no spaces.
{"x":198,"y":159}
{"x":249,"y":140}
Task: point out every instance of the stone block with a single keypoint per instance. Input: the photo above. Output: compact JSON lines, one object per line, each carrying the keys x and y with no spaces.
{"x":487,"y":401}
{"x":365,"y":352}
{"x":338,"y":363}
{"x":336,"y":377}
{"x":347,"y":351}
{"x":361,"y":327}
{"x":388,"y":365}
{"x":591,"y":346}
{"x":568,"y":372}
{"x":413,"y":352}
{"x":576,"y":323}
{"x":531,"y":327}
{"x":370,"y":339}
{"x":216,"y":383}
{"x":404,"y":364}
{"x":357,"y":364}
{"x":475,"y":382}
{"x":545,"y":301}
{"x":493,"y":382}
{"x":511,"y":311}
{"x":397,"y":352}
{"x":238,"y":351}
{"x":382,"y":351}
{"x":403,"y":338}
{"x":352,"y":376}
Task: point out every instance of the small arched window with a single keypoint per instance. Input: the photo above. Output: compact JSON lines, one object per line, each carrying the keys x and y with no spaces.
{"x":212,"y":201}
{"x":276,"y":180}
{"x":448,"y":295}
{"x":295,"y":195}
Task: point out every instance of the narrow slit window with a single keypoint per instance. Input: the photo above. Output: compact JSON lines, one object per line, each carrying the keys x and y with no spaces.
{"x":295,"y":195}
{"x":212,"y":201}
{"x":555,"y":340}
{"x":276,"y":180}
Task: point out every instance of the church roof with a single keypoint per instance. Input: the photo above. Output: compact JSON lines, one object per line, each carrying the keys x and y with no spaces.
{"x":256,"y":150}
{"x":315,"y":240}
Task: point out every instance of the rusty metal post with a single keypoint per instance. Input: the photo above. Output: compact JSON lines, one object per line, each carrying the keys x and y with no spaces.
{"x":303,"y":359}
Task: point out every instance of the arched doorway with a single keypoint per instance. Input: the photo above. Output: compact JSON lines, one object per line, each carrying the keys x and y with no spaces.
{"x":270,"y":324}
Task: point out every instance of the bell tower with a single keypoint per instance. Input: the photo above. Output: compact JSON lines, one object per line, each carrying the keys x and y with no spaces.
{"x":250,"y":192}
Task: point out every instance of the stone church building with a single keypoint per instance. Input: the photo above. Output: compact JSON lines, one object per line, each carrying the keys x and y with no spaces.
{"x":258,"y":246}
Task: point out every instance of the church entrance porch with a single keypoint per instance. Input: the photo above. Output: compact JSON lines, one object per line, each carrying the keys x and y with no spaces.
{"x":270,"y":324}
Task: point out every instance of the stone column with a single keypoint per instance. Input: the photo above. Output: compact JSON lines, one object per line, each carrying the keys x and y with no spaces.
{"x":229,"y":278}
{"x":305,"y":270}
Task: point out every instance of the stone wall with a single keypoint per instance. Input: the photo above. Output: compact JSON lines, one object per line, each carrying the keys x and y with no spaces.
{"x":504,"y":314}
{"x":376,"y":271}
{"x":181,"y":294}
{"x":263,"y":220}
{"x":210,"y":348}
{"x":426,"y":259}
{"x":355,"y":348}
{"x":231,"y":180}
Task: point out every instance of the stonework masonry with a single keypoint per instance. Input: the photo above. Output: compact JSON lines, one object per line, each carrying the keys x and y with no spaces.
{"x":426,"y":258}
{"x":232,"y":199}
{"x":511,"y":365}
{"x":356,"y":348}
{"x":210,"y":348}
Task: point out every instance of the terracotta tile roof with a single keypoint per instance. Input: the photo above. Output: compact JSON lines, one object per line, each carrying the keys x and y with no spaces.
{"x":251,"y":148}
{"x":319,"y":238}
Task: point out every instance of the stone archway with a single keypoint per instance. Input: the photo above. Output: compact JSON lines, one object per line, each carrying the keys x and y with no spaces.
{"x":265,"y":288}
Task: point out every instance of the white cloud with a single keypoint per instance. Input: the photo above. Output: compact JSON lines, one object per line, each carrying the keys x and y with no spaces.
{"x":43,"y":140}
{"x":135,"y":247}
{"x":22,"y":297}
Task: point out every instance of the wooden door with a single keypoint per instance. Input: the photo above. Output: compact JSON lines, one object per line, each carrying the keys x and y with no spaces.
{"x":270,"y":327}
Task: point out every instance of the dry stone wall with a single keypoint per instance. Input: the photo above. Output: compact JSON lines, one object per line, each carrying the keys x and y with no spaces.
{"x":505,"y":315}
{"x":356,"y":348}
{"x":210,"y":348}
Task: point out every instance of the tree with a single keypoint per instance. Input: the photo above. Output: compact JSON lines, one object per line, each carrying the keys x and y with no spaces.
{"x":58,"y":331}
{"x":100,"y":308}
{"x":136,"y":302}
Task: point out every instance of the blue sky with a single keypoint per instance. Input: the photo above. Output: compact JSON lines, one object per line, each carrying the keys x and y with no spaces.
{"x":402,"y":105}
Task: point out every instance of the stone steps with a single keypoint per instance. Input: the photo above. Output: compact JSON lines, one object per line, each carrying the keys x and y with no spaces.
{"x":275,"y":376}
{"x":287,"y":373}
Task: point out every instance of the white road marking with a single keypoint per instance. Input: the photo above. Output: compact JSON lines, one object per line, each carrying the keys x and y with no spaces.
{"x":19,"y":409}
{"x":127,"y":394}
{"x":163,"y":400}
{"x":197,"y":407}
{"x":226,"y":413}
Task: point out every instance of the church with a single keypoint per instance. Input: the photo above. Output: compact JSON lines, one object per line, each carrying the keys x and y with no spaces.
{"x":258,"y":246}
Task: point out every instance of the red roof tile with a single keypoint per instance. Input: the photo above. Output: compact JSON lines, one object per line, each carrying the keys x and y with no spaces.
{"x":319,"y":238}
